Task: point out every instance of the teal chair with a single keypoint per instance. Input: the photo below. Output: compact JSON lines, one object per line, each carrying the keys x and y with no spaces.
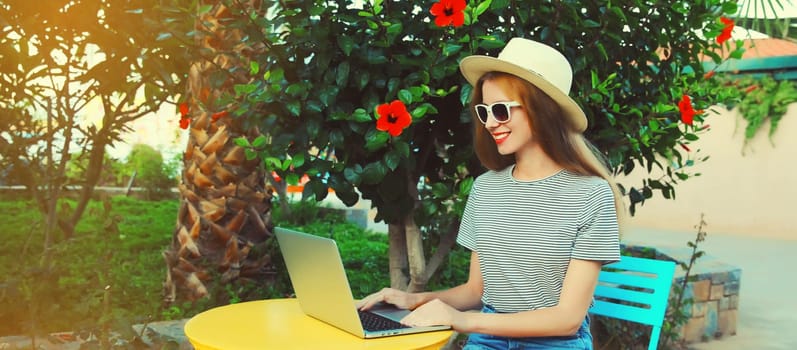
{"x":636,"y":290}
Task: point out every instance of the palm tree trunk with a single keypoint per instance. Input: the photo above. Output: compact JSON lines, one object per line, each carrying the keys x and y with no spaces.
{"x":224,"y":218}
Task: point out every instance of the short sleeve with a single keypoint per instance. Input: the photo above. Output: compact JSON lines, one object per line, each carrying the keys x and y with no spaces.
{"x":598,"y":236}
{"x":466,"y":236}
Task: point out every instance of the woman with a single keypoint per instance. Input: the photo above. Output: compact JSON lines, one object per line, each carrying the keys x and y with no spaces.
{"x":540,"y":223}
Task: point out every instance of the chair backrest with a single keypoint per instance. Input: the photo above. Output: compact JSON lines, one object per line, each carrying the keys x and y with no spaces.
{"x":636,"y":290}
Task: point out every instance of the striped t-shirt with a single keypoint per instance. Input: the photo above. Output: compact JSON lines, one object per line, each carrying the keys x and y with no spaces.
{"x":526,"y":232}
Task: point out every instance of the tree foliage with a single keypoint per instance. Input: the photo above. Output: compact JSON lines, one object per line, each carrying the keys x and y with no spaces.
{"x":326,"y":66}
{"x":72,"y":76}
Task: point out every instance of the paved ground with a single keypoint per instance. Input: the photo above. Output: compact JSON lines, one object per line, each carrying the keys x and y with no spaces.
{"x":768,"y":291}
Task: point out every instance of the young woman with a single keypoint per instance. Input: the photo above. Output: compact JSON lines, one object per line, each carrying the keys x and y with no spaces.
{"x":539,"y":224}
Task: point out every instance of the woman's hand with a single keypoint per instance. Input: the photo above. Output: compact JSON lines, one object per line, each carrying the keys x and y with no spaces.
{"x":435,"y":313}
{"x":400,"y":299}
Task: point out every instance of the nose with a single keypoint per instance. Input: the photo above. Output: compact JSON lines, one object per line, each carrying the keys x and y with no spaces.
{"x":491,"y":122}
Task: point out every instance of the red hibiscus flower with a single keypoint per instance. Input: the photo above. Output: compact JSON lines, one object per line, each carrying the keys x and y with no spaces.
{"x":183,"y":109}
{"x":687,"y":111}
{"x":726,"y":30}
{"x":393,"y":117}
{"x":448,"y":12}
{"x":184,"y":123}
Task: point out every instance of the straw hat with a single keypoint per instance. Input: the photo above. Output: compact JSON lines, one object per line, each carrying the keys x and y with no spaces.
{"x":543,"y":66}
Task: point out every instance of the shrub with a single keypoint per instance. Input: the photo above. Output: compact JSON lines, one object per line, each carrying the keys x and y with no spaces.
{"x":151,"y":173}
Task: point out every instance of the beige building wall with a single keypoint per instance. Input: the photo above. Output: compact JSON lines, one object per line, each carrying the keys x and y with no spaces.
{"x":742,"y":190}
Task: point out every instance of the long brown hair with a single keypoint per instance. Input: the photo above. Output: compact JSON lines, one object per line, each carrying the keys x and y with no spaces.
{"x":557,"y":137}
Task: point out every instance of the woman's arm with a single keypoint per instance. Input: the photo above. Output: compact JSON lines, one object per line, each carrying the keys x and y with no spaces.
{"x":560,"y":320}
{"x":465,"y":296}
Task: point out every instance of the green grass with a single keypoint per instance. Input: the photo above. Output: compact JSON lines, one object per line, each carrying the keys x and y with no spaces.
{"x":113,"y":257}
{"x":110,"y":273}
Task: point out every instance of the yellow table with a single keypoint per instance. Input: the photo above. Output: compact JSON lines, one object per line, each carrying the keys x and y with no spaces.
{"x":281,"y":324}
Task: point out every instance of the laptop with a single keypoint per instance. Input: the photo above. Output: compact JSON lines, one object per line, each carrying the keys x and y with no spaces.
{"x":322,"y":289}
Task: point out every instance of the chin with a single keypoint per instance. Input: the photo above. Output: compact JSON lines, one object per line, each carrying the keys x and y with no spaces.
{"x":504,"y":152}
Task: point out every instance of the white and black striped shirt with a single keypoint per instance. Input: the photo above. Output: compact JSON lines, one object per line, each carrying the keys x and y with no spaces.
{"x":526,"y":232}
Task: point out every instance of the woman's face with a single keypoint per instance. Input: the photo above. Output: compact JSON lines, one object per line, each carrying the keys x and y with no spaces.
{"x":514,"y":136}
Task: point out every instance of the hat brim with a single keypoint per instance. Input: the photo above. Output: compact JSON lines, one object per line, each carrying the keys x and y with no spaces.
{"x":473,"y":67}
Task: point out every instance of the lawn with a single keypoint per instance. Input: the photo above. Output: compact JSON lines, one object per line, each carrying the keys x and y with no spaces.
{"x":110,"y":272}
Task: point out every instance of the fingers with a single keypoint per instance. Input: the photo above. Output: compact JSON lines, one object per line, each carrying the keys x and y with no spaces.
{"x":373,"y":299}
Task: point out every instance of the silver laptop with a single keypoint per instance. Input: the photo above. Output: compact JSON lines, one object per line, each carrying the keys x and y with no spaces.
{"x":322,"y":288}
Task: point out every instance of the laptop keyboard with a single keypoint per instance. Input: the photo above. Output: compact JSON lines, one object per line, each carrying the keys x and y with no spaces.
{"x":374,"y":322}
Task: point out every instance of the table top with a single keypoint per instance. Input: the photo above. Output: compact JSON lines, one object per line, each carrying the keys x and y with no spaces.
{"x":281,"y":324}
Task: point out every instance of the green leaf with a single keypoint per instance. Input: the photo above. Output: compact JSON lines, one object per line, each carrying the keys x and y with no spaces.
{"x":244,"y":89}
{"x":352,"y":174}
{"x":286,"y":164}
{"x":392,"y":159}
{"x":241,"y":141}
{"x":482,"y":7}
{"x":402,"y":148}
{"x":336,"y":138}
{"x":395,"y":29}
{"x":328,"y":94}
{"x":296,"y":90}
{"x":254,"y":67}
{"x":292,"y":179}
{"x":419,"y":112}
{"x":314,"y":106}
{"x":272,"y":163}
{"x":363,"y":80}
{"x":342,"y":76}
{"x":465,"y":186}
{"x":346,"y":43}
{"x":298,"y":160}
{"x":691,"y":137}
{"x":259,"y":141}
{"x":373,"y":173}
{"x":294,"y":107}
{"x":392,"y":86}
{"x":591,"y":24}
{"x":430,"y":207}
{"x":250,"y":154}
{"x":375,"y":139}
{"x":738,"y":52}
{"x":451,"y":49}
{"x":730,"y":7}
{"x":277,"y":75}
{"x":440,"y":190}
{"x":405,"y":96}
{"x":361,"y":116}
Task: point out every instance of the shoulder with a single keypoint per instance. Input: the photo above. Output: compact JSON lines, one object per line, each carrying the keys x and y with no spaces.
{"x":586,"y":183}
{"x":491,"y":177}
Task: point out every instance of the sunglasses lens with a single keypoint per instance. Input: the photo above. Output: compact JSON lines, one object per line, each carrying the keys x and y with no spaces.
{"x":481,"y":112}
{"x":500,"y":112}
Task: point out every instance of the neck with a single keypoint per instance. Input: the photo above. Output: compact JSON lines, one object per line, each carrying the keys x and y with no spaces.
{"x":534,"y":165}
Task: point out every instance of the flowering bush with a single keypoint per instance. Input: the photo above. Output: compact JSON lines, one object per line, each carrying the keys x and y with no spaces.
{"x":368,"y":101}
{"x":328,"y":64}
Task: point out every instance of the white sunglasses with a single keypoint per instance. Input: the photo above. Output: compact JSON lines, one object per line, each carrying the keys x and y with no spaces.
{"x":501,"y":111}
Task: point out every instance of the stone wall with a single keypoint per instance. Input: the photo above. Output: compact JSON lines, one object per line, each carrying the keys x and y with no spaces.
{"x":715,"y":300}
{"x":713,"y":290}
